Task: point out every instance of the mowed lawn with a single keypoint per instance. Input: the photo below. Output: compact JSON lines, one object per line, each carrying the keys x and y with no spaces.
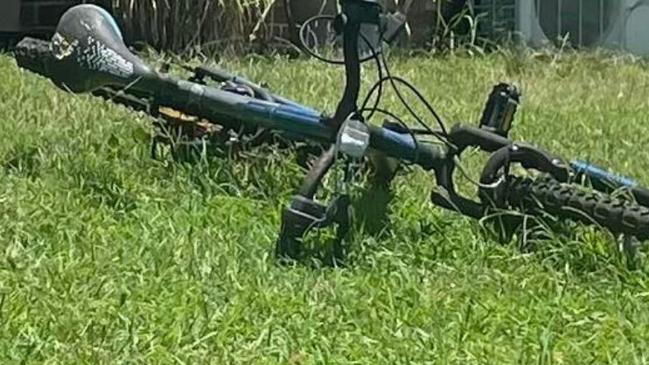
{"x":110,"y":257}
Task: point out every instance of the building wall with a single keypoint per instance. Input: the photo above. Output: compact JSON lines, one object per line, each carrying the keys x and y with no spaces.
{"x":41,"y":16}
{"x":421,"y":15}
{"x":9,"y":16}
{"x":36,"y":16}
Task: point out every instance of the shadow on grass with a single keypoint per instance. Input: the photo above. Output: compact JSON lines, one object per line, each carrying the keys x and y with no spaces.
{"x":104,"y":188}
{"x":371,"y":210}
{"x":565,"y":246}
{"x":23,"y":160}
{"x":263,"y":171}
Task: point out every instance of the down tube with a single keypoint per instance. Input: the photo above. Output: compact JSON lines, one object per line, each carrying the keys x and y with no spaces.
{"x":301,"y":122}
{"x":211,"y":103}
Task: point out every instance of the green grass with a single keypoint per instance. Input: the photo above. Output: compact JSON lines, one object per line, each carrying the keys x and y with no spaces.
{"x":110,"y":257}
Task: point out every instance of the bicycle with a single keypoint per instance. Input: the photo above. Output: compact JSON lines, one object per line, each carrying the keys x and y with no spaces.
{"x":87,"y":54}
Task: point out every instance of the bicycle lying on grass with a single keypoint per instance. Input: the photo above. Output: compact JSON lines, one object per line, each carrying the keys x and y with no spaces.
{"x":87,"y":54}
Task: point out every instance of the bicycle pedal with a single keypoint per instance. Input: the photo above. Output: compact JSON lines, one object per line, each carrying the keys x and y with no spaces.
{"x":303,"y":215}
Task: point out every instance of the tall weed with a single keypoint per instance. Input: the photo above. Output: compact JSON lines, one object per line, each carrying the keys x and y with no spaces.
{"x":179,"y":25}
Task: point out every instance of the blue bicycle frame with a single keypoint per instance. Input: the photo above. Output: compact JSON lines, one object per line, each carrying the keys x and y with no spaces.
{"x":294,"y":120}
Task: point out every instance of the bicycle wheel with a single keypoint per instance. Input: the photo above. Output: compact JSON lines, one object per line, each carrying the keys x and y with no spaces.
{"x":546,"y":195}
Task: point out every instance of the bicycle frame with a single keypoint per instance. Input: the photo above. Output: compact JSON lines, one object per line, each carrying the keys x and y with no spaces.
{"x":298,"y":122}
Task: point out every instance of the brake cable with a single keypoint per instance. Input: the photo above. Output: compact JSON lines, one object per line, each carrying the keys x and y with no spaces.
{"x":443,"y":136}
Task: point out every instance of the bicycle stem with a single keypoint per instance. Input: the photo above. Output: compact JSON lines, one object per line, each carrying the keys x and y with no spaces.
{"x":354,"y":14}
